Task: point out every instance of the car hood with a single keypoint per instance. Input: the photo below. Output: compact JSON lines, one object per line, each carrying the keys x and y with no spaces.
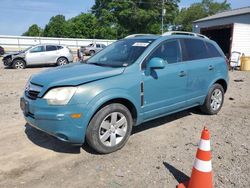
{"x":73,"y":74}
{"x":12,"y":54}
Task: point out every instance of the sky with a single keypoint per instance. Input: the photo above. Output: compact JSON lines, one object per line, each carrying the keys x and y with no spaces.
{"x":17,"y":15}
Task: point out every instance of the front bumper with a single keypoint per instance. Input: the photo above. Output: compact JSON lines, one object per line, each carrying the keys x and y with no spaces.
{"x":56,"y":120}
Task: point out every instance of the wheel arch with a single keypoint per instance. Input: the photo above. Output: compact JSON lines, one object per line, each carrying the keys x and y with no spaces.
{"x":19,"y":58}
{"x":99,"y":104}
{"x":62,"y":57}
{"x":131,"y":107}
{"x":223,"y":83}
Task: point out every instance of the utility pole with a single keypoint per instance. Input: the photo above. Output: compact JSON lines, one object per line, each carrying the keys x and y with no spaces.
{"x":163,"y":12}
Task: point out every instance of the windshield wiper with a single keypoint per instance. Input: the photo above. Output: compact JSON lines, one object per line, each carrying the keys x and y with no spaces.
{"x":106,"y":65}
{"x":97,"y":64}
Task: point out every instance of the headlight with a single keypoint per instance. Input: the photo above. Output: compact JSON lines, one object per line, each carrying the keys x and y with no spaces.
{"x":60,"y":96}
{"x":27,"y":84}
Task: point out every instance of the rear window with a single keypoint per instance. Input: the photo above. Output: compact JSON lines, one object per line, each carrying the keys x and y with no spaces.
{"x":194,"y":49}
{"x":212,"y":51}
{"x":51,"y":48}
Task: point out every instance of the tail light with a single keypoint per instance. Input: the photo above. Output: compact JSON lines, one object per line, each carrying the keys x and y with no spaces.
{"x":227,"y":61}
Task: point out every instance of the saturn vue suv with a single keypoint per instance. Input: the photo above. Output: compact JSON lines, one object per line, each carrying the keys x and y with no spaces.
{"x":129,"y":82}
{"x":39,"y":55}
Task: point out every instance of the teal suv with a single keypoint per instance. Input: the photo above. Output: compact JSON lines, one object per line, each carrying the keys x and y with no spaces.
{"x":133,"y":80}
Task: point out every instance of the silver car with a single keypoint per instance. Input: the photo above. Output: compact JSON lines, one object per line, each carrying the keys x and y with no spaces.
{"x":92,"y":48}
{"x":38,"y":55}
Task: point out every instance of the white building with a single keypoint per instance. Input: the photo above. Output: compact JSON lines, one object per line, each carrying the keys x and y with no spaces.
{"x":230,"y":29}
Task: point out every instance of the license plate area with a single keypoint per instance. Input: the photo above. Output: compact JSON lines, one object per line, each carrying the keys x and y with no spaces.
{"x":24,"y":106}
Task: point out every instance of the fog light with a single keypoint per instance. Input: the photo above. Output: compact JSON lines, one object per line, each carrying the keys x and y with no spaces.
{"x":76,"y":116}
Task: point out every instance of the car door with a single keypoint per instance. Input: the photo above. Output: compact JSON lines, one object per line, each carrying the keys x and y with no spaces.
{"x":196,"y":58}
{"x":164,"y":90}
{"x":35,"y":55}
{"x":51,"y":54}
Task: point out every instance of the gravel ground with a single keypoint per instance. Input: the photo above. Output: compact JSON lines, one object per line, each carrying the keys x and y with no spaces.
{"x":159,"y":153}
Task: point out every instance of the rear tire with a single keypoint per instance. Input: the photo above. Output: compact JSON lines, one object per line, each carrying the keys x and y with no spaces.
{"x":19,"y":64}
{"x":110,"y":128}
{"x":214,"y":100}
{"x":62,"y":61}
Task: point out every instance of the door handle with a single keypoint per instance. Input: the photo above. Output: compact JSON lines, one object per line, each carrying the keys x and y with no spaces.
{"x":210,"y":67}
{"x":182,"y":73}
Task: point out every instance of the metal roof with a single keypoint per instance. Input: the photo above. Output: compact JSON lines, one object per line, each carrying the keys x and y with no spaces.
{"x":234,"y":12}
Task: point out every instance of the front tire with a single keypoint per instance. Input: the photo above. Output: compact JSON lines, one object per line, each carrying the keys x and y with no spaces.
{"x":62,"y":61}
{"x":18,"y":64}
{"x":214,"y":100}
{"x":110,"y":128}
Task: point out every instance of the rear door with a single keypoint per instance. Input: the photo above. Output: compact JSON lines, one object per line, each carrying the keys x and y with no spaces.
{"x":35,"y":55}
{"x":164,"y":90}
{"x":196,"y":58}
{"x":51,"y":54}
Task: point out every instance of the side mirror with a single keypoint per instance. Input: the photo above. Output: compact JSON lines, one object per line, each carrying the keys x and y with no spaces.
{"x":156,"y":63}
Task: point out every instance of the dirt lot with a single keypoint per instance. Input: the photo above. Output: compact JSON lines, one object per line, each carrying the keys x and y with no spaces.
{"x":158,"y":154}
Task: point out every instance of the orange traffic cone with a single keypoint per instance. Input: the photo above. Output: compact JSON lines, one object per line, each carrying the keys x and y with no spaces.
{"x":201,"y":176}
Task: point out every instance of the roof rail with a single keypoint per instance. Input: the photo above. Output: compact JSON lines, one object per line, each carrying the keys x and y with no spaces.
{"x":184,"y":33}
{"x":136,"y":35}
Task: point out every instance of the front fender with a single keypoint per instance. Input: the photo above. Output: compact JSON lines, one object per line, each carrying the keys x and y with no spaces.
{"x":108,"y":95}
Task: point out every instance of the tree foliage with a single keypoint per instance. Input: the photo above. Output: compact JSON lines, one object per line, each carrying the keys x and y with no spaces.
{"x":197,"y":11}
{"x":34,"y":30}
{"x":133,"y":16}
{"x":119,"y":18}
{"x":57,"y":27}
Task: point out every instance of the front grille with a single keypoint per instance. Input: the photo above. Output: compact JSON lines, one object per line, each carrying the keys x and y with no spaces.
{"x":32,"y":91}
{"x":32,"y":94}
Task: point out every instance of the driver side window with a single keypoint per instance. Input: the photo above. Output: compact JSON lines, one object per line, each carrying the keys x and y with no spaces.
{"x":168,"y":51}
{"x":37,"y":49}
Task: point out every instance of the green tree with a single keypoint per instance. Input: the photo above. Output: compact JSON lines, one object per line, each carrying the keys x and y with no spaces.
{"x":82,"y":26}
{"x":34,"y":30}
{"x":197,"y":11}
{"x":133,"y":16}
{"x":57,"y":27}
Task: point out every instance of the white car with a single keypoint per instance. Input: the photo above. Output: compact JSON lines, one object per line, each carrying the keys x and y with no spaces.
{"x":38,"y":55}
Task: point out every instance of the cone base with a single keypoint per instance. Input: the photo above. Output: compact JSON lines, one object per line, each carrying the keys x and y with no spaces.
{"x":200,"y":179}
{"x":183,"y":185}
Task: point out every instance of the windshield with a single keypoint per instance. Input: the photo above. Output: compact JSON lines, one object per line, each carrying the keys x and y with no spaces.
{"x":121,"y":53}
{"x":27,"y":49}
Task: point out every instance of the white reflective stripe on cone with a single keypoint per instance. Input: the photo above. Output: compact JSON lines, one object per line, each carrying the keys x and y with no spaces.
{"x":203,"y":166}
{"x":204,"y":145}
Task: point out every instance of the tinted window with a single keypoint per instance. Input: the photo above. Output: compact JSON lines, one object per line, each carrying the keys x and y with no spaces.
{"x":59,"y":47}
{"x":194,"y":49}
{"x":212,"y":51}
{"x":98,"y":45}
{"x":37,"y":49}
{"x":169,"y":51}
{"x":121,"y":53}
{"x":51,"y":48}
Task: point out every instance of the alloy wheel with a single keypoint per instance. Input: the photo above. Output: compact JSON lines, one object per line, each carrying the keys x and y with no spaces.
{"x":113,"y":129}
{"x":216,"y":99}
{"x":19,"y":65}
